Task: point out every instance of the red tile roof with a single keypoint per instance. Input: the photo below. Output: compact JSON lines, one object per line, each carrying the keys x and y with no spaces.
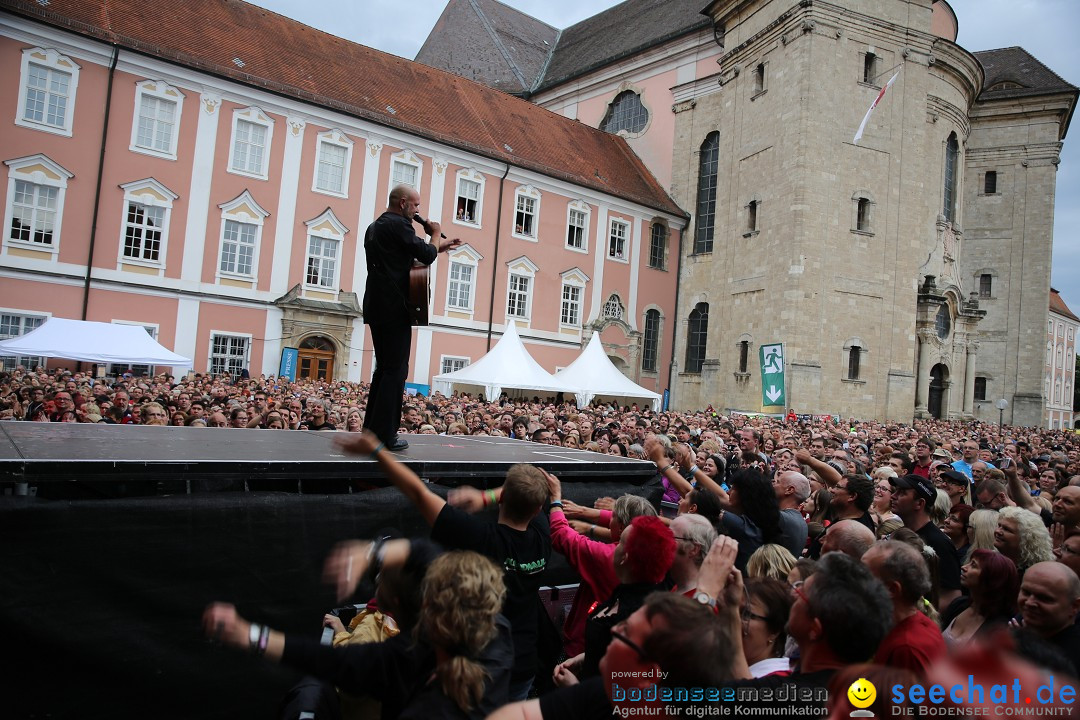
{"x":284,"y":56}
{"x":1058,"y":306}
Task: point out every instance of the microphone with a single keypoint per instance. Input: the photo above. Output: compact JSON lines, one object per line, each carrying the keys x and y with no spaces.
{"x":424,"y":222}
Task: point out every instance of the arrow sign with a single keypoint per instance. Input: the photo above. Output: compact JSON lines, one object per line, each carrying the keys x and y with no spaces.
{"x":771,"y":359}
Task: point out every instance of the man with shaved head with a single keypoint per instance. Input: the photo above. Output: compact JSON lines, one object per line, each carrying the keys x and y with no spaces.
{"x":792,"y":489}
{"x":1048,"y":602}
{"x":391,"y":246}
{"x":850,"y":537}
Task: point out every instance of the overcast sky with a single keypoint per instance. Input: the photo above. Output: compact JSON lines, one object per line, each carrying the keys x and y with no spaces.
{"x":1045,"y":28}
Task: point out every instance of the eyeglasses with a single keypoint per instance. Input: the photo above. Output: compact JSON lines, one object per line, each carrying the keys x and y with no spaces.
{"x":746,"y":616}
{"x":796,"y":587}
{"x":617,"y":634}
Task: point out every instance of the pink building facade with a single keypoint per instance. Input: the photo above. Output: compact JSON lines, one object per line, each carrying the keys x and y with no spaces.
{"x":1061,"y":328}
{"x":228,"y":219}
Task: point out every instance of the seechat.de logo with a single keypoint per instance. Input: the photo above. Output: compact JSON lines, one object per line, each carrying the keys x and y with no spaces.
{"x":862,"y":695}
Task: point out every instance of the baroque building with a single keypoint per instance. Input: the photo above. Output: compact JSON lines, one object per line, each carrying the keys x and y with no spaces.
{"x":207,"y":170}
{"x":906,"y":273}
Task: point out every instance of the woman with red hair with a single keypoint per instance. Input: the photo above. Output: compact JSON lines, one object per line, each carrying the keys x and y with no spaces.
{"x":642,"y":559}
{"x":993,"y":583}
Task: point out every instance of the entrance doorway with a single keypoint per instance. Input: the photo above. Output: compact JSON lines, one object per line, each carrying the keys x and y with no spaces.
{"x":315,"y":358}
{"x":939,"y":383}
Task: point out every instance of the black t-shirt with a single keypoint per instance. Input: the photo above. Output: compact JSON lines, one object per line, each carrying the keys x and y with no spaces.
{"x":397,"y":673}
{"x":523,"y":555}
{"x":624,"y":601}
{"x":1068,"y":642}
{"x":948,"y":558}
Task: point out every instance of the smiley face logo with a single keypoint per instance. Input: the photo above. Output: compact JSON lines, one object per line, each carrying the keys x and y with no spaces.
{"x":862,"y":693}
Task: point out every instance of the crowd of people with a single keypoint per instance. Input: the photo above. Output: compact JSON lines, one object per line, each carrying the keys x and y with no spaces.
{"x":773,"y":552}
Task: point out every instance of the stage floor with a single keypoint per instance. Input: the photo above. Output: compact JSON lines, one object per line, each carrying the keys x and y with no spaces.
{"x":126,"y":460}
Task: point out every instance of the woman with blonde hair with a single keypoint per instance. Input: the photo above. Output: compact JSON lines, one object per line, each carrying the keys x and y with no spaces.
{"x":770,"y":561}
{"x":982,"y":524}
{"x":457,"y":665}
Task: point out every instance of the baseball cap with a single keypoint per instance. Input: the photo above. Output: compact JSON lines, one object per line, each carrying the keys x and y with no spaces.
{"x":941,"y":453}
{"x":955,"y":477}
{"x":923,"y":487}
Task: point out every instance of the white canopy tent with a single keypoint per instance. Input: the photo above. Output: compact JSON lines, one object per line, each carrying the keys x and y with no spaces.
{"x":95,"y":342}
{"x":506,"y":367}
{"x":594,"y":376}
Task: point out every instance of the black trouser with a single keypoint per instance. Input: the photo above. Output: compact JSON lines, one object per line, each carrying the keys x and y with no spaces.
{"x":392,"y":345}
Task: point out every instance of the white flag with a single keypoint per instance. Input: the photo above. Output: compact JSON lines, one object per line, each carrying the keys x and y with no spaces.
{"x":866,"y":118}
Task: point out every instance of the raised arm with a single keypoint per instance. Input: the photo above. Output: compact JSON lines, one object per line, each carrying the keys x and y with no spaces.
{"x":411,"y":486}
{"x":825,"y":471}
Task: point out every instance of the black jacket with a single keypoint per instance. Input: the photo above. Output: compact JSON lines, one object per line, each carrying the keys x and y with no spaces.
{"x":391,"y":245}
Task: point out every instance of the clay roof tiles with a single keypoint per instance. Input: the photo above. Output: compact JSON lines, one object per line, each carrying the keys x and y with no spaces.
{"x":286,"y":57}
{"x":1058,"y":306}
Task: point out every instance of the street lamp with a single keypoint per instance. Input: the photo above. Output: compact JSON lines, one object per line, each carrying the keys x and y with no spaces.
{"x":1001,"y":405}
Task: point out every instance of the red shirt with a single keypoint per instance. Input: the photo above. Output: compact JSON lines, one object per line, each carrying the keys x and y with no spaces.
{"x":914,"y":644}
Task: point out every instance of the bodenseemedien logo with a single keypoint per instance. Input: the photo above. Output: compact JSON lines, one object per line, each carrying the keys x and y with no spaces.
{"x":861,"y":695}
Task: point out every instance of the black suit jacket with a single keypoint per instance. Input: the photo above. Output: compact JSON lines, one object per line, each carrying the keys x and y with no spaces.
{"x":391,"y":245}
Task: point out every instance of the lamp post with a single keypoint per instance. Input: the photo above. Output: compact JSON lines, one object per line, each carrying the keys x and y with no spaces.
{"x":1001,"y":405}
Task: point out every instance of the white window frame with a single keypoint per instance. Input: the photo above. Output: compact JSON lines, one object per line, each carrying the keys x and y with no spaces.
{"x":162,"y":91}
{"x":37,"y":170}
{"x":147,"y":193}
{"x":406,"y":158}
{"x":578,"y":280}
{"x":328,"y":228}
{"x":337,"y":139}
{"x":52,"y":60}
{"x":524,"y":268}
{"x":618,"y":303}
{"x":444,"y":360}
{"x":256,"y":117}
{"x":529,"y":192}
{"x":243,"y":209}
{"x":623,"y":240}
{"x":247,"y":338}
{"x":474,"y":176}
{"x":582,"y":207}
{"x":10,"y":362}
{"x":465,"y":256}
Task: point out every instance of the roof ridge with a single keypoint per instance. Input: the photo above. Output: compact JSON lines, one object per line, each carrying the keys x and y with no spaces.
{"x":499,"y":44}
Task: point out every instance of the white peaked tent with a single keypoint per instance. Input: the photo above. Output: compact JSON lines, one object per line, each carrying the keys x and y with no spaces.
{"x":95,"y":342}
{"x":507,"y":366}
{"x":593,"y":375}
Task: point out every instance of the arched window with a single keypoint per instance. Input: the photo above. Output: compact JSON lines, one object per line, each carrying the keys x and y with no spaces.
{"x":652,"y":341}
{"x":706,"y":197}
{"x":625,"y":113}
{"x":853,"y":362}
{"x":952,"y":155}
{"x":696,"y":335}
{"x":613,"y":308}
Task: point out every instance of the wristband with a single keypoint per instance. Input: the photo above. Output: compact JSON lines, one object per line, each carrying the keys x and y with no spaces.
{"x":591,"y":532}
{"x":375,"y":557}
{"x":374,"y":454}
{"x":693,"y":469}
{"x":555,"y":504}
{"x":490,"y":498}
{"x":665,"y":469}
{"x":253,"y":637}
{"x":264,"y":639}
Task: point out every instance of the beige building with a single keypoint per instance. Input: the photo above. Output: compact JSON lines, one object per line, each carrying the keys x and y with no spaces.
{"x":900,"y":272}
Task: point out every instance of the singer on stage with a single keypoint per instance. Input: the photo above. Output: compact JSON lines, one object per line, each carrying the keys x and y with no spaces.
{"x":391,"y":246}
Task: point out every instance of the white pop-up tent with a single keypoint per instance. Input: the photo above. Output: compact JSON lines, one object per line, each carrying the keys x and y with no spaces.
{"x":95,"y":342}
{"x":506,"y":367}
{"x":593,"y":375}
